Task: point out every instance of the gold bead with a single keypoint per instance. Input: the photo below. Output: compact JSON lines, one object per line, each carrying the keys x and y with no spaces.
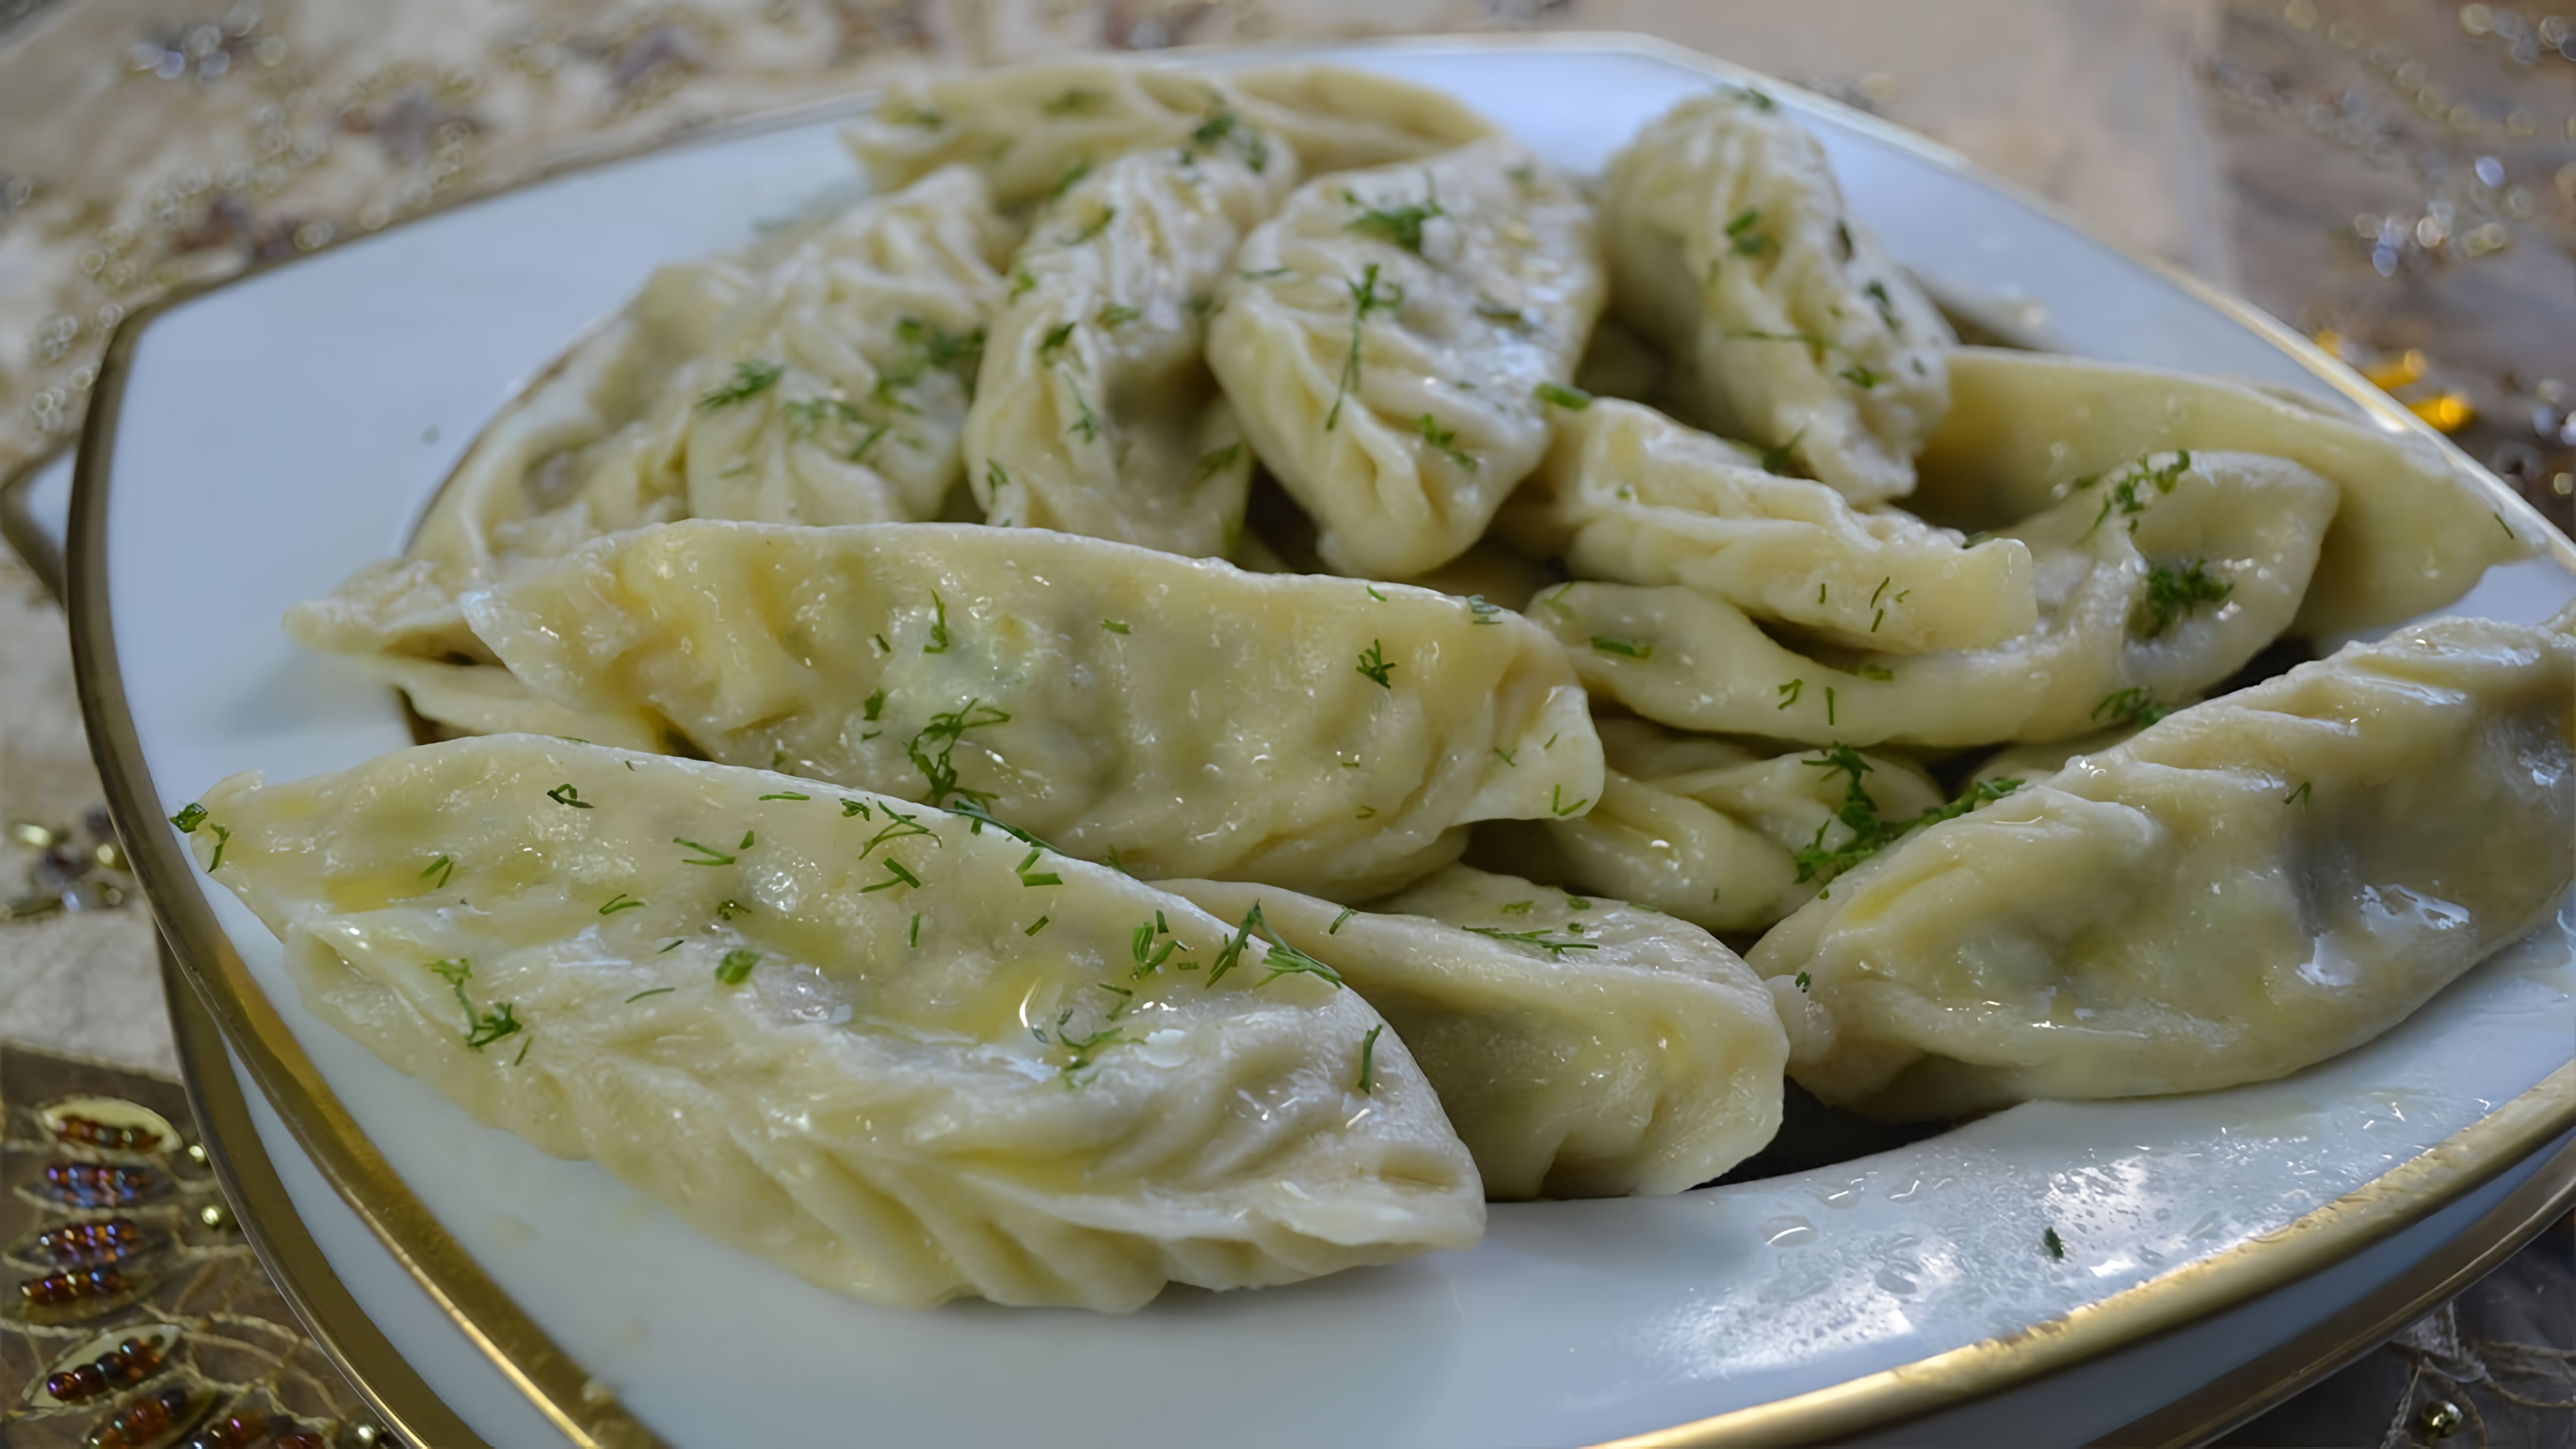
{"x":197,"y":1153}
{"x":2448,"y":412}
{"x":2563,"y":484}
{"x":2396,"y":372}
{"x":31,"y":835}
{"x":109,"y":855}
{"x":366,"y":1434}
{"x":215,"y":1215}
{"x":2440,"y":1419}
{"x":2477,"y":19}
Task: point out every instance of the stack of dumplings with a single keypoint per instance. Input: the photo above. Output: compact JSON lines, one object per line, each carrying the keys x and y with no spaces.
{"x":1112,"y":715}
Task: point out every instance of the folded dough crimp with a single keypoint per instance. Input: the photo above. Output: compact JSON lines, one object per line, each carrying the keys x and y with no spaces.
{"x":2245,"y":888}
{"x":1175,"y":716}
{"x":897,"y":1052}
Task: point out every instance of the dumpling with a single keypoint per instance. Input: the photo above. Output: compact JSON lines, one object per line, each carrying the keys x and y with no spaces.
{"x":1172,"y":716}
{"x":1629,"y":495}
{"x":2153,"y":585}
{"x":2036,"y":764}
{"x":1386,"y":340}
{"x":1095,"y":412}
{"x":1582,"y":1048}
{"x":904,"y":1057}
{"x":2413,"y":533}
{"x":1722,"y":835}
{"x":820,"y":378}
{"x":2247,"y":887}
{"x":1731,"y":248}
{"x":1028,"y":127}
{"x":482,"y":699}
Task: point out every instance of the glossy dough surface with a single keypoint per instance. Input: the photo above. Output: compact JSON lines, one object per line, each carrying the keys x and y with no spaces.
{"x":1095,"y":412}
{"x":2412,"y":531}
{"x":1582,"y":1048}
{"x":1731,"y":248}
{"x":1027,"y":127}
{"x":1631,"y":496}
{"x":820,"y":377}
{"x":1704,"y":829}
{"x":2247,"y":887}
{"x":2251,"y":525}
{"x":868,"y":1101}
{"x":1384,"y":337}
{"x":1193,"y":718}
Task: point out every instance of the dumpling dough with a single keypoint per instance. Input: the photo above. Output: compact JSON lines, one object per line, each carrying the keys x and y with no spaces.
{"x":2248,"y":887}
{"x":2413,"y":533}
{"x":1027,"y":127}
{"x":1173,"y":716}
{"x":2122,"y":629}
{"x":1732,"y":249}
{"x":1383,"y":340}
{"x":1582,"y":1048}
{"x":819,"y":378}
{"x":906,"y":1090}
{"x":1095,"y":412}
{"x":481,"y":699}
{"x":1632,"y":496}
{"x":1704,"y":829}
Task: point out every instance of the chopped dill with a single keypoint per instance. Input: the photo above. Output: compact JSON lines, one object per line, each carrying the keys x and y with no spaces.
{"x":565,"y":794}
{"x":2173,"y":593}
{"x":1444,"y":440}
{"x":655,"y":991}
{"x":2298,"y":796}
{"x":2129,"y":706}
{"x":1556,"y":802}
{"x":1789,"y":692}
{"x":1095,"y":227}
{"x":619,"y":902}
{"x":1557,"y":394}
{"x":1368,"y":1059}
{"x":1538,"y":938}
{"x":711,"y":855}
{"x":1401,"y":225}
{"x":938,"y":625}
{"x":1365,"y":298}
{"x":1374,"y":666}
{"x":734,"y":967}
{"x":189,"y":818}
{"x":1113,"y":626}
{"x":751,"y":378}
{"x":1624,"y":648}
{"x":930,"y":749}
{"x":441,"y":868}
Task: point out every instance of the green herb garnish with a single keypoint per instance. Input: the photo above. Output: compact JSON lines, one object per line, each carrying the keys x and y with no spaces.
{"x":2125,"y":497}
{"x":2173,"y":593}
{"x":2129,"y":706}
{"x":734,"y":967}
{"x":619,"y":902}
{"x":1539,"y":938}
{"x":930,"y":749}
{"x":1624,"y":648}
{"x":1445,"y":441}
{"x":1401,"y":225}
{"x":2299,"y":795}
{"x":1368,"y":1059}
{"x":655,"y":991}
{"x":1556,"y":802}
{"x":1098,"y":224}
{"x":565,"y":794}
{"x":1365,"y":298}
{"x":2055,"y":1245}
{"x":1113,"y":626}
{"x":750,"y":379}
{"x":1573,"y":399}
{"x":1374,"y":665}
{"x":711,"y":855}
{"x":441,"y":868}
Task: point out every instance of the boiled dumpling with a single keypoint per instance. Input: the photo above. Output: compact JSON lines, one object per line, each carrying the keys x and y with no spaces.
{"x":1732,"y":249}
{"x":2413,"y":532}
{"x":2247,"y":887}
{"x":2154,"y":583}
{"x":821,"y":377}
{"x":1723,"y":835}
{"x":1629,"y":495}
{"x":906,"y":1057}
{"x":1173,"y":716}
{"x":1029,"y":127}
{"x":1386,"y":338}
{"x":482,"y":699}
{"x":1095,"y":412}
{"x":1582,"y":1048}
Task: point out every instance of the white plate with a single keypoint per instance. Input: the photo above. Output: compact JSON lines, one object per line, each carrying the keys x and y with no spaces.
{"x":276,"y":433}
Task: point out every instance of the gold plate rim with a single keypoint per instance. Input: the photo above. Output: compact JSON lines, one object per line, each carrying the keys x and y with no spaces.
{"x":574,"y":1403}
